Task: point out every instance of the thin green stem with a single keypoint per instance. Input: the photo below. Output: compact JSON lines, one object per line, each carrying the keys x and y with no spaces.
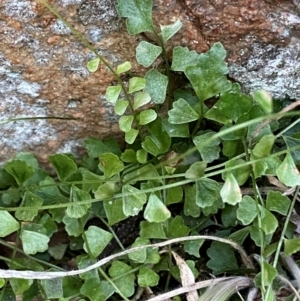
{"x":112,"y":232}
{"x":113,"y":284}
{"x":199,"y":120}
{"x":256,"y":193}
{"x":167,"y":66}
{"x":100,"y":269}
{"x":287,"y":128}
{"x":281,"y":239}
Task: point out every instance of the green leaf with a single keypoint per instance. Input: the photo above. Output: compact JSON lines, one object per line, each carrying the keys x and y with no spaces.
{"x":182,"y":112}
{"x":232,"y":148}
{"x":124,"y":284}
{"x":48,"y":223}
{"x":190,"y":206}
{"x":214,"y":208}
{"x":141,"y":173}
{"x":141,"y":156}
{"x":269,"y":275}
{"x":152,"y":230}
{"x":75,"y":226}
{"x":90,"y":180}
{"x":124,"y":67}
{"x":231,"y":192}
{"x":133,"y":200}
{"x":105,"y":191}
{"x":129,"y":156}
{"x":63,"y":165}
{"x":114,"y":211}
{"x":241,"y":174}
{"x":264,"y":99}
{"x":174,"y":194}
{"x":208,"y":151}
{"x":84,"y":261}
{"x":141,"y":255}
{"x":78,"y":195}
{"x":228,"y":216}
{"x":264,"y":146}
{"x":96,"y":147}
{"x":222,"y":258}
{"x":215,"y":114}
{"x":234,"y":103}
{"x":255,"y":234}
{"x":50,"y":193}
{"x":11,"y":197}
{"x":19,"y":286}
{"x":110,"y":164}
{"x":139,"y":14}
{"x":93,"y":65}
{"x":153,"y":256}
{"x":146,"y":53}
{"x":29,"y":200}
{"x":157,"y":141}
{"x":278,"y":202}
{"x":255,"y":112}
{"x":176,"y":130}
{"x":196,"y":170}
{"x":52,"y":288}
{"x":155,"y":210}
{"x":292,"y":142}
{"x":121,"y":106}
{"x":269,"y":222}
{"x":207,"y":192}
{"x":291,"y":246}
{"x":34,"y":238}
{"x":288,"y":173}
{"x":207,"y":75}
{"x":147,"y":277}
{"x":6,"y":180}
{"x":140,"y":99}
{"x":58,"y":252}
{"x":192,"y":247}
{"x":29,"y":159}
{"x":147,"y":116}
{"x":97,"y":290}
{"x":156,"y":86}
{"x":70,"y":285}
{"x":95,"y":240}
{"x":259,"y":167}
{"x":177,"y":228}
{"x":8,"y":224}
{"x":125,"y":123}
{"x":183,"y":57}
{"x":131,"y":135}
{"x":136,"y":84}
{"x":168,"y":31}
{"x":272,"y":163}
{"x":240,"y":235}
{"x":19,"y":170}
{"x":113,"y":93}
{"x":247,"y":210}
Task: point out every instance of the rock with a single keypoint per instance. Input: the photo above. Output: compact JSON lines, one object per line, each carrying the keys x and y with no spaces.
{"x":43,"y":65}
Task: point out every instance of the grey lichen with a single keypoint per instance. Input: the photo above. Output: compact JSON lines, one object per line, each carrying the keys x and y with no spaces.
{"x":271,"y":68}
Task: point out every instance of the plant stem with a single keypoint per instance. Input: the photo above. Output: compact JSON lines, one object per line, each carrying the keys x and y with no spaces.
{"x":262,"y":240}
{"x":280,"y":242}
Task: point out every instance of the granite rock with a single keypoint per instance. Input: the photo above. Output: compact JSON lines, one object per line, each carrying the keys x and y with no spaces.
{"x":43,"y":65}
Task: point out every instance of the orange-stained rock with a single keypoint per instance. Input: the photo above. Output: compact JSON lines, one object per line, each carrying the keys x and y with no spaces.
{"x":43,"y":65}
